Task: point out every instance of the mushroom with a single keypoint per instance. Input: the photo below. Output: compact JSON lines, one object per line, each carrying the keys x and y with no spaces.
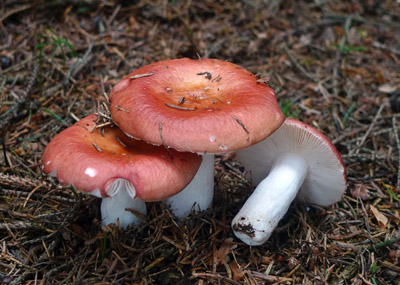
{"x":297,"y":161}
{"x":124,"y":172}
{"x":205,"y":106}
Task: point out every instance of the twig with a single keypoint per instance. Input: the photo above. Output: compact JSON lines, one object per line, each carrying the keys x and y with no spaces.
{"x":6,"y":160}
{"x":371,"y":126}
{"x":215,"y":276}
{"x":119,"y":141}
{"x":3,"y":83}
{"x":362,"y":20}
{"x":19,"y":225}
{"x":137,"y":76}
{"x":180,"y":107}
{"x":15,"y":110}
{"x":21,"y":186}
{"x":96,"y":147}
{"x":241,"y":124}
{"x":385,"y":47}
{"x":160,"y":132}
{"x":119,"y":108}
{"x":270,"y":278}
{"x":338,"y":57}
{"x":81,"y":63}
{"x":383,"y":244}
{"x":11,"y":12}
{"x":305,"y":28}
{"x":298,"y":65}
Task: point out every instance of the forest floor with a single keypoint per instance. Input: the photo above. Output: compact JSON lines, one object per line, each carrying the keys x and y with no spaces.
{"x":333,"y":64}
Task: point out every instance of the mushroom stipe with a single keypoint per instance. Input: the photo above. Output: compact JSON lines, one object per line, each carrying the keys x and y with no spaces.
{"x":296,"y":161}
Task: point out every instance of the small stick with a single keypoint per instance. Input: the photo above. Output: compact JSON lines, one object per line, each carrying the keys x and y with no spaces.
{"x":120,"y":142}
{"x":79,"y":64}
{"x":118,"y":107}
{"x":160,"y":131}
{"x":385,"y":47}
{"x":364,"y":138}
{"x":301,"y":68}
{"x":75,"y":117}
{"x":6,"y":161}
{"x":215,"y":276}
{"x":106,"y":96}
{"x":19,"y":225}
{"x":207,"y":74}
{"x":241,"y":124}
{"x":180,"y":107}
{"x":396,"y":137}
{"x":96,"y":147}
{"x":103,"y":125}
{"x":217,"y":79}
{"x":30,"y":194}
{"x":137,"y":76}
{"x":92,"y":129}
{"x":3,"y":83}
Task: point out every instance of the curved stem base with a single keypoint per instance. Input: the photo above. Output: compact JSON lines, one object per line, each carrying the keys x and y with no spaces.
{"x":270,"y":201}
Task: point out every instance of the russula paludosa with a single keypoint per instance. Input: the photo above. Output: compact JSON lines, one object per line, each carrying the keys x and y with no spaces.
{"x":296,"y":161}
{"x":123,"y":171}
{"x":204,"y":106}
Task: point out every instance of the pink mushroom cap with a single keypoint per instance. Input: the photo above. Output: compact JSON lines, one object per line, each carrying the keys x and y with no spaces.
{"x":82,"y":156}
{"x":204,"y":106}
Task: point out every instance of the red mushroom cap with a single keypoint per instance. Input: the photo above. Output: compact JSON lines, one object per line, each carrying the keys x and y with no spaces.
{"x":80,"y":155}
{"x":204,"y":105}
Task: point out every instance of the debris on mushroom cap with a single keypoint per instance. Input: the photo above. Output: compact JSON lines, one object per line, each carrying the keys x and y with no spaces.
{"x":325,"y":182}
{"x":204,"y":105}
{"x":90,"y":160}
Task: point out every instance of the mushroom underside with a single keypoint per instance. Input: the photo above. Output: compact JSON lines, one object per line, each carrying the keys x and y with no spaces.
{"x":122,"y":197}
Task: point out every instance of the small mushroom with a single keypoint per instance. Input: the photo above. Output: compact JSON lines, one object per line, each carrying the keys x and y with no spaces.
{"x":224,"y":109}
{"x":297,"y":161}
{"x":124,"y":172}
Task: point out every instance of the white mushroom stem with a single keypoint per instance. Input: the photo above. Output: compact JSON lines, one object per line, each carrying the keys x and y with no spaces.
{"x":122,"y":196}
{"x":270,"y":201}
{"x":198,"y":195}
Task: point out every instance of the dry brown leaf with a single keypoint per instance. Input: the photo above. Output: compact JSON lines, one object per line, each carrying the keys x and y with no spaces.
{"x":394,"y":256}
{"x":238,"y":273}
{"x":223,"y":251}
{"x":381,"y":218}
{"x":356,"y":71}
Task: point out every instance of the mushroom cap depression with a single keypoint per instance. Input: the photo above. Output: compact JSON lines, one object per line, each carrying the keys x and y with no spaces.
{"x":80,"y":155}
{"x":326,"y":179}
{"x":204,"y":105}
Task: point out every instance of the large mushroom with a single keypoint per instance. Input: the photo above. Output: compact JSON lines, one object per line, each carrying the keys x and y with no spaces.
{"x":297,"y":161}
{"x":124,"y":172}
{"x":205,"y":106}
